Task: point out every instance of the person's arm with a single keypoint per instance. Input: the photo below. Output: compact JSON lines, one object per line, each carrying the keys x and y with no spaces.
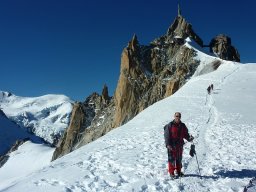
{"x":186,"y":134}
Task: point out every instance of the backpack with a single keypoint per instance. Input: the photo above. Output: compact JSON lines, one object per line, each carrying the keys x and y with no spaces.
{"x":168,"y":125}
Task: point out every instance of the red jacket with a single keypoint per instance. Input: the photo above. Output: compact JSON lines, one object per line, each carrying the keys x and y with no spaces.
{"x":174,"y":133}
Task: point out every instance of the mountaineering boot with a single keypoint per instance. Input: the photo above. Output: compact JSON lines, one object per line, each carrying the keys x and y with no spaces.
{"x":172,"y":176}
{"x":180,"y":174}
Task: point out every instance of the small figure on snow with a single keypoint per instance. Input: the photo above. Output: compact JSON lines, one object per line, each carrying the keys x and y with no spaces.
{"x":211,"y":86}
{"x":209,"y":89}
{"x":174,"y":133}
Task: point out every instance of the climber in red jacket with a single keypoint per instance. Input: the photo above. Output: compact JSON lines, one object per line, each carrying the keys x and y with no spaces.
{"x":174,"y":133}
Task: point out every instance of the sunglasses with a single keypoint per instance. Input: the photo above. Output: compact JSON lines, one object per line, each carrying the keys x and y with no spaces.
{"x":177,"y":116}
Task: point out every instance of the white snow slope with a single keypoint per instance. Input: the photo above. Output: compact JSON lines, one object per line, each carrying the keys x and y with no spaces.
{"x":28,"y":158}
{"x":133,"y":157}
{"x":46,"y":116}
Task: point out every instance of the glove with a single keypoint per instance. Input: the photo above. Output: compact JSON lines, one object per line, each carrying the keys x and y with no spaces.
{"x":192,"y":151}
{"x":191,"y":138}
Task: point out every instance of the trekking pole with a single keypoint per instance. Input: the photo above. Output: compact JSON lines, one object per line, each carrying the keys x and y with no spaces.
{"x":197,"y":163}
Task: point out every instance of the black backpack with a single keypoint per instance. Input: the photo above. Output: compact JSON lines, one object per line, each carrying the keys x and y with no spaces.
{"x":168,"y":125}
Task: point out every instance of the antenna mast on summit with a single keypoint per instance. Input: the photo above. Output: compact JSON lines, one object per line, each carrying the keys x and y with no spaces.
{"x":179,"y":11}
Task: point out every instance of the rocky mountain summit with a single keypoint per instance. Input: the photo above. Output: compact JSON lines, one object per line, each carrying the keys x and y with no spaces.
{"x":221,"y":46}
{"x":148,"y":74}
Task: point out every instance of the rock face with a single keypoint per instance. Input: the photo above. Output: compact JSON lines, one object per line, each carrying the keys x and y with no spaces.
{"x":182,"y":29}
{"x":148,"y":74}
{"x":71,"y":136}
{"x":221,"y":46}
{"x":85,"y":119}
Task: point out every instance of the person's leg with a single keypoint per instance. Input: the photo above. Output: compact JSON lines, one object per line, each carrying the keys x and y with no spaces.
{"x":179,"y":159}
{"x":171,"y":162}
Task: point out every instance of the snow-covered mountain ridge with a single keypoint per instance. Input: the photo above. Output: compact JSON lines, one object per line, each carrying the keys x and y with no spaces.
{"x":46,"y":116}
{"x":133,"y":157}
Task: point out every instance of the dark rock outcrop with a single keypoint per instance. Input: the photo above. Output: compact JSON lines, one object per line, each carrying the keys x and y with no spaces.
{"x":251,"y":187}
{"x":85,"y":118}
{"x":105,"y":97}
{"x":221,"y":46}
{"x":76,"y":127}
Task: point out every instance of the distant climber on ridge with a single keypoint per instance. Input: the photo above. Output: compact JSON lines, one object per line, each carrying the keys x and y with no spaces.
{"x":209,"y":89}
{"x":211,"y":86}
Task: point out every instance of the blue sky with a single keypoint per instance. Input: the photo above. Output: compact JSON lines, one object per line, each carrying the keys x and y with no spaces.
{"x":74,"y":47}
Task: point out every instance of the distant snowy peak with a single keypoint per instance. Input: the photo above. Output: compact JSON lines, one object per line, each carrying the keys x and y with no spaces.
{"x":46,"y":116}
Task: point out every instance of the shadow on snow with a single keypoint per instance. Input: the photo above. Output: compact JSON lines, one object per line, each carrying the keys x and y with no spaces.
{"x":202,"y":177}
{"x":237,"y":174}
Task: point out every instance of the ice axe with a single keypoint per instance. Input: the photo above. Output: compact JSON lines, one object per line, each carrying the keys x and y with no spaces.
{"x":192,"y":153}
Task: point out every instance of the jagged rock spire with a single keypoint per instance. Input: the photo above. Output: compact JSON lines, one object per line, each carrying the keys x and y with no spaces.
{"x":134,"y":43}
{"x":134,"y":38}
{"x":181,"y":28}
{"x":105,"y":92}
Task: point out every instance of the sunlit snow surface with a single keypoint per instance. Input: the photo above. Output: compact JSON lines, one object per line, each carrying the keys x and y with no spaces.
{"x":28,"y":158}
{"x":133,"y":157}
